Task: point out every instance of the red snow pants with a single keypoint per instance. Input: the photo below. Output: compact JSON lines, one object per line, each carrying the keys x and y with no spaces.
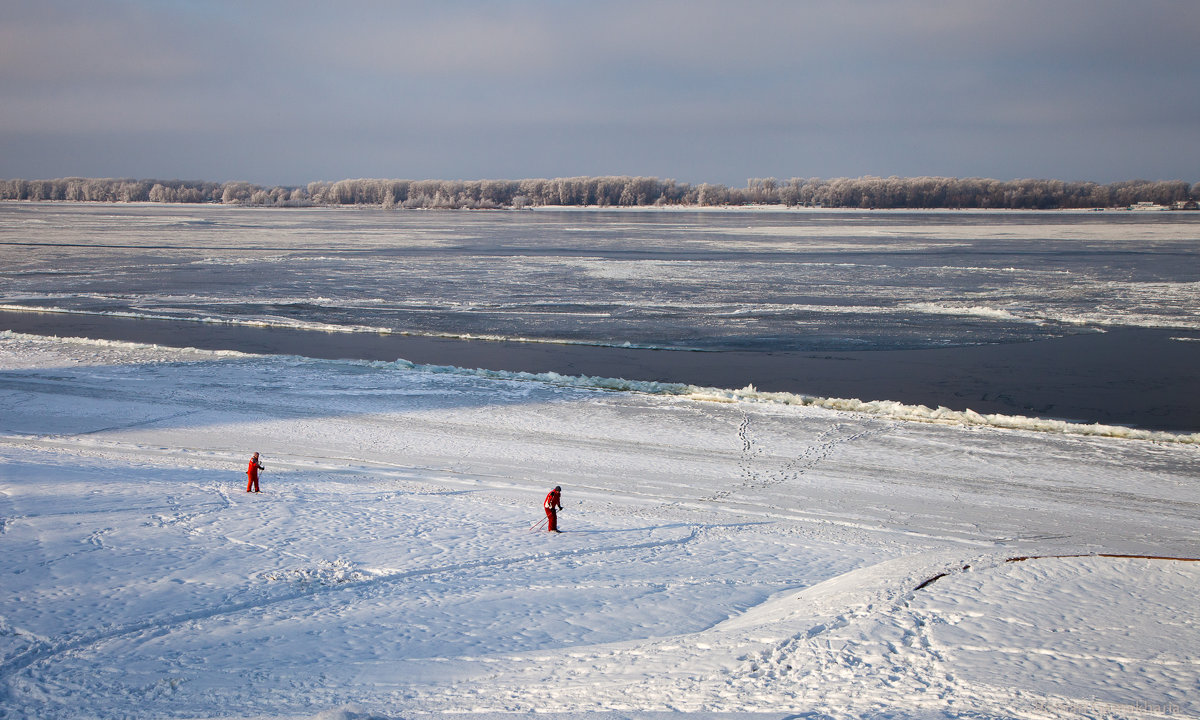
{"x":552,"y":517}
{"x":252,"y":481}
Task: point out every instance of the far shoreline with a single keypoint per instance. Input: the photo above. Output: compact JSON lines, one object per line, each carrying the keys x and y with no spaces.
{"x":750,"y":208}
{"x":628,"y":191}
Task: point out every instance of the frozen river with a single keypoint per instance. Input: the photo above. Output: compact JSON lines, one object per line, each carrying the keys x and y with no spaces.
{"x":1081,"y":316}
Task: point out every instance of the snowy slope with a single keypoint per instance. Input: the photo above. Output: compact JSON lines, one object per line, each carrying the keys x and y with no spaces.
{"x":720,"y":557}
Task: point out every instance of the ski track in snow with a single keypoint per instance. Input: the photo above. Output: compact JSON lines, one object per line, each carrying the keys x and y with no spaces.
{"x":46,"y":650}
{"x":719,"y":558}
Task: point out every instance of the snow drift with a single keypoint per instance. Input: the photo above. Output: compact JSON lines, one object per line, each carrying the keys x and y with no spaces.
{"x":749,"y":557}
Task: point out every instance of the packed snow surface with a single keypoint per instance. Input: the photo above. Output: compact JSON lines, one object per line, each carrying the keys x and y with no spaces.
{"x":722,"y":556}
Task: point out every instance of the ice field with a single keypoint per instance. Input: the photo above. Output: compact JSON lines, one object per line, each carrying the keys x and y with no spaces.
{"x":736,"y":279}
{"x":721,"y":558}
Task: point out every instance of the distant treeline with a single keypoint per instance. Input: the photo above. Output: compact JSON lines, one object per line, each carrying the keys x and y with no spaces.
{"x":864,"y":192}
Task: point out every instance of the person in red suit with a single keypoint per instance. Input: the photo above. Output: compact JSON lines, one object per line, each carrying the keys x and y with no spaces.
{"x":552,"y":505}
{"x":252,"y":474}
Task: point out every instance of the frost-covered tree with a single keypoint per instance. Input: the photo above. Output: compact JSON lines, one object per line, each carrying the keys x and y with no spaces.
{"x":626,"y":191}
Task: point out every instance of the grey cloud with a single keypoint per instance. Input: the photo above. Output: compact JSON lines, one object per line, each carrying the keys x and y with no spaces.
{"x":701,"y":91}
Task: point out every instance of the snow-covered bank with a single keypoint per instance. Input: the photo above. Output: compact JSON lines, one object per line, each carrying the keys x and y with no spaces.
{"x":886,"y":408}
{"x":730,"y":557}
{"x":1156,"y":407}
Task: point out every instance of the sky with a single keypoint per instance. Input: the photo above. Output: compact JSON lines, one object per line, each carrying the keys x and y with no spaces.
{"x":286,"y":92}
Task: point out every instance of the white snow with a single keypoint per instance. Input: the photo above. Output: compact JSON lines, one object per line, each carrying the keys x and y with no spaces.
{"x":725,"y":555}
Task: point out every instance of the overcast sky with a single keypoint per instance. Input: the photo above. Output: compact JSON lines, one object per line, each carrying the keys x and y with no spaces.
{"x":287,"y":92}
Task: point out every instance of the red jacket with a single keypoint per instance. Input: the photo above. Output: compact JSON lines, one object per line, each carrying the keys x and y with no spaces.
{"x":252,"y":471}
{"x":553,"y":500}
